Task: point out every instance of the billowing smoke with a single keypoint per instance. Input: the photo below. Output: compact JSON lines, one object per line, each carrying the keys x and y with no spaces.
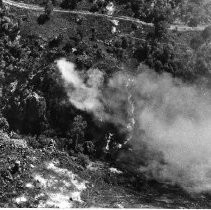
{"x":176,"y":120}
{"x":83,"y":95}
{"x":89,"y":93}
{"x":171,"y":119}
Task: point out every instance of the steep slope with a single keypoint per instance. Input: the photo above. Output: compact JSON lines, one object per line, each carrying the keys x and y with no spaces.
{"x":49,"y":178}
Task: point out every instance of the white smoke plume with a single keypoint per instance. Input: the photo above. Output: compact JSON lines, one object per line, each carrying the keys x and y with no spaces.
{"x":176,"y":120}
{"x":88,"y":93}
{"x":84,"y":96}
{"x":171,"y":119}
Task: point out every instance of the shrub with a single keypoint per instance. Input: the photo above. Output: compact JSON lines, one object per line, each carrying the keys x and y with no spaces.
{"x":83,"y":159}
{"x":206,"y":33}
{"x":89,"y":147}
{"x":196,"y":42}
{"x":48,"y":8}
{"x":69,"y":4}
{"x":193,"y":22}
{"x":32,"y":142}
{"x":64,"y":144}
{"x":44,"y":141}
{"x":42,"y":19}
{"x":78,"y":131}
{"x":4,"y":125}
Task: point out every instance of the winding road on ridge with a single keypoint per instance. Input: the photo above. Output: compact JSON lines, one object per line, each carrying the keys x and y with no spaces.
{"x":125,"y":18}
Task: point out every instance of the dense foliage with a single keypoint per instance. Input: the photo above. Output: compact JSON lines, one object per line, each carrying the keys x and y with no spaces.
{"x":37,"y":121}
{"x":194,"y":12}
{"x":190,"y":12}
{"x":34,"y":101}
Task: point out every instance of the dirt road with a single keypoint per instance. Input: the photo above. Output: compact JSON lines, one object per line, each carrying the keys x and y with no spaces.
{"x":125,"y":18}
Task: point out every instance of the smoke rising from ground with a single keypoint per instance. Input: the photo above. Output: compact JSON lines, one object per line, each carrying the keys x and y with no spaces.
{"x":172,"y":119}
{"x":176,"y":120}
{"x":84,"y":96}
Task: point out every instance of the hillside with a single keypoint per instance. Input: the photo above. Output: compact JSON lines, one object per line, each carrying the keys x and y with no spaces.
{"x":46,"y":177}
{"x":185,"y":12}
{"x":97,"y":111}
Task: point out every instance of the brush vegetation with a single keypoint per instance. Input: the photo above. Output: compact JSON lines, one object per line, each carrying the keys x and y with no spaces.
{"x":35,"y":107}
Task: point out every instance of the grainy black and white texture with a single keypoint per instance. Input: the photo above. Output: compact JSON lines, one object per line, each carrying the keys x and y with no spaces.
{"x":105,"y":104}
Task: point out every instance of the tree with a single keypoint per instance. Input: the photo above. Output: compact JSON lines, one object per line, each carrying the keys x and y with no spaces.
{"x":78,"y":131}
{"x":146,"y":9}
{"x":193,"y":22}
{"x":206,"y":33}
{"x":196,"y":42}
{"x":193,"y":12}
{"x":203,"y":60}
{"x":48,"y":8}
{"x":160,"y":29}
{"x":1,"y":3}
{"x":34,"y":114}
{"x":69,"y":4}
{"x":47,"y":13}
{"x":4,"y":125}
